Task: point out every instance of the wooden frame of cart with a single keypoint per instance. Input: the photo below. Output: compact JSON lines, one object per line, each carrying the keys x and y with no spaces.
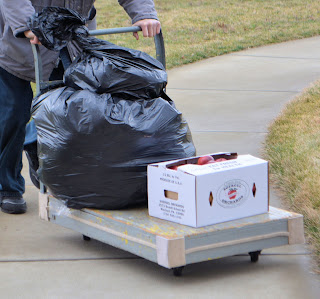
{"x":172,"y":245}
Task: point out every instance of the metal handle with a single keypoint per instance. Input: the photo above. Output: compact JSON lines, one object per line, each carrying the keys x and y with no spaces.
{"x":37,"y":67}
{"x":158,"y":40}
{"x":114,"y":30}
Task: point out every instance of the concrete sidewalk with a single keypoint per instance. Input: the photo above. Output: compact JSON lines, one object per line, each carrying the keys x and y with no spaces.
{"x":228,"y":101}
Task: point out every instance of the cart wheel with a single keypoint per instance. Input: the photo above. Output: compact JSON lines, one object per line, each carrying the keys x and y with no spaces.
{"x":254,"y":256}
{"x":86,"y":238}
{"x":177,"y":271}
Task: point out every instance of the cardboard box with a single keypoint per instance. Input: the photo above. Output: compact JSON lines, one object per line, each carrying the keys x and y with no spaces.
{"x":200,"y":195}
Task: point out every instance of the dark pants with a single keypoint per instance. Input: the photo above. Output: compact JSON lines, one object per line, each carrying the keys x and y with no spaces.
{"x":15,"y":102}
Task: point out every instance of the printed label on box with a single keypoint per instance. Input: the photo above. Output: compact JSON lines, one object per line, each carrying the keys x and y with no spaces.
{"x":233,"y":193}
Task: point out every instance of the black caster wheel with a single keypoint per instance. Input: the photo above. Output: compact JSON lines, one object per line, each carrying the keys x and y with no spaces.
{"x":177,"y":271}
{"x":86,"y":238}
{"x":254,"y":256}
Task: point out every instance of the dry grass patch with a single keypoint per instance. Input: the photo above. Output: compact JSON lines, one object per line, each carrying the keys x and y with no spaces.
{"x":194,"y":30}
{"x":293,"y":149}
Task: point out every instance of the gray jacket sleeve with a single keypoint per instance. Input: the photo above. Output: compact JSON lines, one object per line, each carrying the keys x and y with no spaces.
{"x":16,"y":13}
{"x":139,"y":9}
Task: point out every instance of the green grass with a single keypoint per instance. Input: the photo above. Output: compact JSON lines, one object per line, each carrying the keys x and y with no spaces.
{"x":195,"y":30}
{"x":293,"y":150}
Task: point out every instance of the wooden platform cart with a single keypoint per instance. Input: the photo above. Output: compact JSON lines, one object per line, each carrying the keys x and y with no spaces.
{"x":168,"y":244}
{"x":172,"y":245}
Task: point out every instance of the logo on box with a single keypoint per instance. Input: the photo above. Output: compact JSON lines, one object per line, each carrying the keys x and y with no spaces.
{"x":233,"y":193}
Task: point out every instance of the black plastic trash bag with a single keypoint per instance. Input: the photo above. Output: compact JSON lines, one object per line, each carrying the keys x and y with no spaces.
{"x":108,"y":68}
{"x":94,"y":149}
{"x":55,"y":26}
{"x":102,"y":67}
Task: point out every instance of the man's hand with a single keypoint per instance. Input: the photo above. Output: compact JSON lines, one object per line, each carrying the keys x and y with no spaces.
{"x":33,"y":39}
{"x":150,"y":27}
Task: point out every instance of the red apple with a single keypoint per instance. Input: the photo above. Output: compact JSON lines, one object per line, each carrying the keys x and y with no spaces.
{"x":221,"y":160}
{"x":205,"y":160}
{"x":173,"y":167}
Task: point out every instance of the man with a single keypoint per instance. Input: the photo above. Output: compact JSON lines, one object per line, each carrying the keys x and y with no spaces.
{"x":17,"y":70}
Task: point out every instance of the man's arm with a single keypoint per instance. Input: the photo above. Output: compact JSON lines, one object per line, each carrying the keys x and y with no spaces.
{"x":144,"y":15}
{"x":16,"y":13}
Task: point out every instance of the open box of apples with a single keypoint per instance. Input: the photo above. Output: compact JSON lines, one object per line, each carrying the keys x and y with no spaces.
{"x":203,"y":160}
{"x":208,"y":189}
